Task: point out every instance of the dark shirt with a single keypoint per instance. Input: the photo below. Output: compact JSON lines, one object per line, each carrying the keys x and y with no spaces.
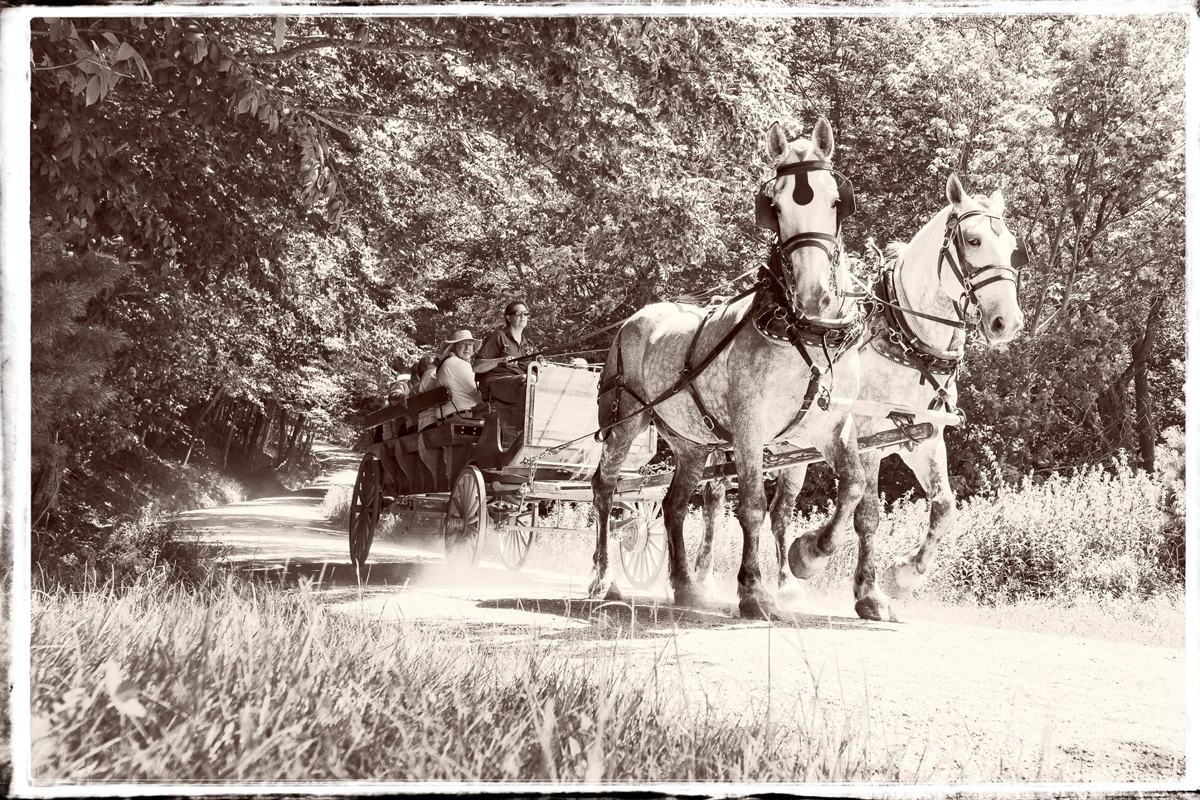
{"x":499,"y":344}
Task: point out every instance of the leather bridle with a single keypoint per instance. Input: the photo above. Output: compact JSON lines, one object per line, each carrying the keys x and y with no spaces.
{"x":767,"y":214}
{"x":966,"y":273}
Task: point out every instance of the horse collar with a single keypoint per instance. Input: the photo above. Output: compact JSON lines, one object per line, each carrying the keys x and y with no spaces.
{"x":780,"y":324}
{"x":901,"y":343}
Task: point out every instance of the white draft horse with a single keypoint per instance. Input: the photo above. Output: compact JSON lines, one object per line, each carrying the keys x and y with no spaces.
{"x":710,"y":379}
{"x":962,"y":259}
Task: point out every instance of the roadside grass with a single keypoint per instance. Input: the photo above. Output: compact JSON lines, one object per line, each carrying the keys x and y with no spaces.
{"x":237,"y":682}
{"x":1157,"y":620}
{"x":336,"y":505}
{"x":148,"y":547}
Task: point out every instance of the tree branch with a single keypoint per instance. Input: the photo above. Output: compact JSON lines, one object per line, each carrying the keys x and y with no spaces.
{"x":328,"y":42}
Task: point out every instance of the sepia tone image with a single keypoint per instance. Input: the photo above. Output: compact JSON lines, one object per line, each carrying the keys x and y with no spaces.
{"x":497,"y":398}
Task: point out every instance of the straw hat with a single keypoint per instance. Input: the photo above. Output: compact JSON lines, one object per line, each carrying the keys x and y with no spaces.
{"x":463,"y":335}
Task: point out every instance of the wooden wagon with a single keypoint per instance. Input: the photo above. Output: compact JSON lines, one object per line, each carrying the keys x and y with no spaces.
{"x":460,"y":477}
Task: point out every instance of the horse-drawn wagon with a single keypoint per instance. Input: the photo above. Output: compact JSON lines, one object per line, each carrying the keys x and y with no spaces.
{"x":461,"y":477}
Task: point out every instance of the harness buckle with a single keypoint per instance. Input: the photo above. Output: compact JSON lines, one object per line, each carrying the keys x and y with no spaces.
{"x":707,"y":422}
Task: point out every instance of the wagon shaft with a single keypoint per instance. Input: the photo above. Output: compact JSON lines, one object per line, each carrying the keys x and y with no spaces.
{"x":773,"y":462}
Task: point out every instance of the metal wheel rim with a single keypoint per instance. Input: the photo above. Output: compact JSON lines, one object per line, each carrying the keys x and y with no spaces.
{"x":516,"y":540}
{"x":365,"y":505}
{"x":468,"y":503}
{"x":644,"y":561}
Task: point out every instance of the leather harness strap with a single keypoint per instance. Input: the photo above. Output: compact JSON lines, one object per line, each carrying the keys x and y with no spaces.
{"x":911,"y":352}
{"x":686,"y":375}
{"x":706,"y":418}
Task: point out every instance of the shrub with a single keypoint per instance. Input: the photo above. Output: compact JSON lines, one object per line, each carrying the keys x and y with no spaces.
{"x":150,"y":546}
{"x":1095,"y":532}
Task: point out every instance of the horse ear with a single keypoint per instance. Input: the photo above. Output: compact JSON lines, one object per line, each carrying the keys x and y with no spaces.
{"x":996,"y":201}
{"x":954,"y":190}
{"x":822,"y":138}
{"x":777,"y":142}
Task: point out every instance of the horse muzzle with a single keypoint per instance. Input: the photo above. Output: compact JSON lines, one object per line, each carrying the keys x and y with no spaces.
{"x":1000,"y":329}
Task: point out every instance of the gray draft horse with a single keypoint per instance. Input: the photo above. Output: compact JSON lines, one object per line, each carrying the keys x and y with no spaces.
{"x":710,"y":380}
{"x":962,"y":258}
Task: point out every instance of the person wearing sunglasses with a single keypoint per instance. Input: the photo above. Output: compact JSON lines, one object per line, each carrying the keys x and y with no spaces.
{"x":500,"y":373}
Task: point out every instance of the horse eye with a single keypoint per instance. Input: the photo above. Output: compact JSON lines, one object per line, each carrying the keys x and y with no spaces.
{"x":973,"y":241}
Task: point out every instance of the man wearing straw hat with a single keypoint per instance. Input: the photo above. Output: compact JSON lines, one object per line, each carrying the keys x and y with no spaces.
{"x":455,"y":373}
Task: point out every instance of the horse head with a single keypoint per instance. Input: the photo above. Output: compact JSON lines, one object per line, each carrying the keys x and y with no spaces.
{"x":985,"y":263}
{"x":804,"y":205}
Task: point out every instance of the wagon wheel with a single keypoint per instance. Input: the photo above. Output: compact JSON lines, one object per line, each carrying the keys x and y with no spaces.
{"x":643,"y":545}
{"x":516,"y":538}
{"x":365,"y":505}
{"x":466,"y":518}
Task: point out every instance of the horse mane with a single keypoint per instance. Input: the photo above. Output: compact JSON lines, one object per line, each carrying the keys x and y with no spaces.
{"x":894,"y":251}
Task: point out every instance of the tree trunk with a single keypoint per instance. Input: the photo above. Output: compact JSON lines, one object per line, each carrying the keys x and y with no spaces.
{"x":229,"y":428}
{"x":1142,"y":351}
{"x":1112,"y":407}
{"x":282,"y":443}
{"x":214,"y":401}
{"x":294,"y":437}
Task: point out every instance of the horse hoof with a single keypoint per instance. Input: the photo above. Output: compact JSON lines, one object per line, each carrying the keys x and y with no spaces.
{"x":604,"y":589}
{"x":758,"y":607}
{"x":873,"y":609}
{"x":899,"y":579}
{"x":690,"y":595}
{"x":803,"y":560}
{"x":790,"y":590}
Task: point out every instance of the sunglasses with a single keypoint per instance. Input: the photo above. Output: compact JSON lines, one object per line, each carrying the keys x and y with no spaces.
{"x":519,"y":314}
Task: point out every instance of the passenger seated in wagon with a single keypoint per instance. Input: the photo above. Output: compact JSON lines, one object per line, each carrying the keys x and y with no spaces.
{"x":455,"y":373}
{"x":424,"y":374}
{"x":501,"y":376}
{"x":401,"y":383}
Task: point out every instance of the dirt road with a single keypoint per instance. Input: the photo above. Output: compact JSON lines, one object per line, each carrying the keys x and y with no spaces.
{"x":944,"y":703}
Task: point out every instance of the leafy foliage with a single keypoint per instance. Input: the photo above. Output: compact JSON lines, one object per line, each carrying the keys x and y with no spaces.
{"x":295,"y":201}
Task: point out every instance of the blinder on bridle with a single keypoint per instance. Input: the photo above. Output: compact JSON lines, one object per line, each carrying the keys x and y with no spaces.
{"x":764,"y":210}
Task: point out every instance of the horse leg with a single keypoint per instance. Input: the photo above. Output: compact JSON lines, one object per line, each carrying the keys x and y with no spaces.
{"x":787,"y":487}
{"x":808,"y":554}
{"x":928,"y":462}
{"x":690,"y":459}
{"x":604,"y":486}
{"x":754,"y":602}
{"x":714,"y":501}
{"x":870,"y":601}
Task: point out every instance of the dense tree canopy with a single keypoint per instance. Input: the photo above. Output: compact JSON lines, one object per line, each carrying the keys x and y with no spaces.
{"x":273,"y":207}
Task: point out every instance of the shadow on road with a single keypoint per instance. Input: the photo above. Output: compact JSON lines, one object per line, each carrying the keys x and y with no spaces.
{"x":619,"y":618}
